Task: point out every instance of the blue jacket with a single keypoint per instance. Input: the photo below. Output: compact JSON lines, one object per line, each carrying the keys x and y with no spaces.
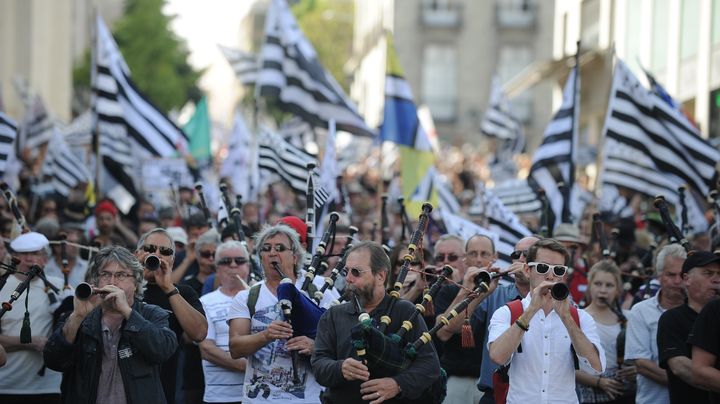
{"x":145,"y":334}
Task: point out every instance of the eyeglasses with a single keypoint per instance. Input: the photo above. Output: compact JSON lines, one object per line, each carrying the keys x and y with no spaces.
{"x":515,"y":255}
{"x":151,"y":248}
{"x":452,"y":257}
{"x":542,"y":268}
{"x":355,"y":271}
{"x":207,"y":254}
{"x":229,"y":260}
{"x":120,"y":276}
{"x":276,"y":247}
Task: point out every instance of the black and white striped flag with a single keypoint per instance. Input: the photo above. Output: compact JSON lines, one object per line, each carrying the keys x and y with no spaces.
{"x":554,"y":161}
{"x":517,"y":196}
{"x":240,"y":165}
{"x":129,"y":126}
{"x":291,"y":73}
{"x":289,"y":163}
{"x":8,"y":134}
{"x":434,"y":182}
{"x":64,"y":169}
{"x":651,"y":148}
{"x":245,"y":64}
{"x":500,"y":123}
{"x":37,"y":128}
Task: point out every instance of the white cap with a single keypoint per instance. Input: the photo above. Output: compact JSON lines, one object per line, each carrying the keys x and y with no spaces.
{"x":29,"y":242}
{"x":178,"y":234}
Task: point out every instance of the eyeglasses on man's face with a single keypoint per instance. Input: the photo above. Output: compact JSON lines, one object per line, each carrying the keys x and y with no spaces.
{"x":543,"y":268}
{"x":229,"y":260}
{"x":356,"y":272}
{"x":207,"y":254}
{"x":120,"y":276}
{"x":451,"y":257}
{"x":151,"y":248}
{"x":276,"y":247}
{"x":515,"y":255}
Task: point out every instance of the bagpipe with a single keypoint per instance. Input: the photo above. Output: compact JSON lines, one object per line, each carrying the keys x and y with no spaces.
{"x":320,"y":250}
{"x":676,"y":236}
{"x":415,"y":240}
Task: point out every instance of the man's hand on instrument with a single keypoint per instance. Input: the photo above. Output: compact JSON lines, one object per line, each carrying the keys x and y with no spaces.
{"x":353,"y":369}
{"x":279,"y":330}
{"x":304,"y":345}
{"x":540,"y":297}
{"x":378,"y":390}
{"x":163,"y":277}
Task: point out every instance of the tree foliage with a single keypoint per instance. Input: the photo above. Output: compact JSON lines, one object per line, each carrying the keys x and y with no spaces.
{"x":328,"y":25}
{"x":157,"y":58}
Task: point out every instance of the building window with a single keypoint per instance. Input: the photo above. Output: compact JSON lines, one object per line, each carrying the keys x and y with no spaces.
{"x":439,"y":81}
{"x":661,"y":21}
{"x":715,"y":22}
{"x":516,"y":13}
{"x":690,"y":28}
{"x":512,"y":60}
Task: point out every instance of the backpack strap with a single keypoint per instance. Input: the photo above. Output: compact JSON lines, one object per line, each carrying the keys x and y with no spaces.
{"x":516,"y":310}
{"x":576,"y":318}
{"x":253,"y":296}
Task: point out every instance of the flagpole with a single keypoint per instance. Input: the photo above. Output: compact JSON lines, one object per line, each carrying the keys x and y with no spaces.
{"x":566,"y":215}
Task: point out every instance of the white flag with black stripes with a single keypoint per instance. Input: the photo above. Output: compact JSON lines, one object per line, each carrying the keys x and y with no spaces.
{"x":245,"y":64}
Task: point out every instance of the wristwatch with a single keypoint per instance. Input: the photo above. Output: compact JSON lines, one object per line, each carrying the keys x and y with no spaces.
{"x":172,"y":293}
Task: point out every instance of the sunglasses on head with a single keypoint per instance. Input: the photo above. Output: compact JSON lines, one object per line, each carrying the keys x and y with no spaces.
{"x":355,"y":271}
{"x":518,"y":253}
{"x":450,"y":257}
{"x":207,"y":254}
{"x":542,"y":268}
{"x":151,"y":248}
{"x":229,"y":260}
{"x":276,"y":247}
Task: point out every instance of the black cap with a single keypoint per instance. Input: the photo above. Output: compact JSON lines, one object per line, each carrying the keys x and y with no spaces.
{"x":699,"y":259}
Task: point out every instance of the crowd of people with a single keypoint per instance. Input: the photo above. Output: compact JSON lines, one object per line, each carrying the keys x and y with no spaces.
{"x":180,"y":309}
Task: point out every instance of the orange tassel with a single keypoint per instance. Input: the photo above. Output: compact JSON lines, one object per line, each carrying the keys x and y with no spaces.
{"x":468,"y":341}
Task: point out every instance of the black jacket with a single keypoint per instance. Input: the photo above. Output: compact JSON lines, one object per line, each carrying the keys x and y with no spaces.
{"x":333,"y":345}
{"x":145,"y":334}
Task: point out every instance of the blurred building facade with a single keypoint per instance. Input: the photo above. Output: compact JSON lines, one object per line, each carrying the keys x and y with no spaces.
{"x":450,"y":50}
{"x":40,"y":43}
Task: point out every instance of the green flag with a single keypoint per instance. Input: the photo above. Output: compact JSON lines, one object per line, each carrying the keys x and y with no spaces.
{"x":198,"y":131}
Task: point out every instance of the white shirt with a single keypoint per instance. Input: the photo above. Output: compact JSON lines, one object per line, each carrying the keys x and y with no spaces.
{"x":268,"y":375}
{"x":20,"y":373}
{"x":221,"y":384}
{"x":544,"y":371}
{"x":641,"y":343}
{"x":76,"y":275}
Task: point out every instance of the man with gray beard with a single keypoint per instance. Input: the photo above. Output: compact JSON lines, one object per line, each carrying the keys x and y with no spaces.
{"x":335,"y":365}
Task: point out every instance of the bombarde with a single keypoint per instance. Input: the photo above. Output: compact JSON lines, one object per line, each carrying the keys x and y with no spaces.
{"x":415,"y":240}
{"x":85,"y":291}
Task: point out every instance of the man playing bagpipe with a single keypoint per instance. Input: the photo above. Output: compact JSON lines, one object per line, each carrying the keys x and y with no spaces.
{"x":336,"y":366}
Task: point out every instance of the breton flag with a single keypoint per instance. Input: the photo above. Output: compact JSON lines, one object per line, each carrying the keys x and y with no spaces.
{"x":291,"y":73}
{"x":554,"y":161}
{"x":500,"y":220}
{"x":402,"y":127}
{"x":517,"y":196}
{"x":8,"y":134}
{"x":289,"y":163}
{"x":434,"y":182}
{"x":240,"y":165}
{"x":245,"y":64}
{"x":64,"y":168}
{"x":129,"y":126}
{"x":37,"y":128}
{"x":651,"y":148}
{"x":499,"y":123}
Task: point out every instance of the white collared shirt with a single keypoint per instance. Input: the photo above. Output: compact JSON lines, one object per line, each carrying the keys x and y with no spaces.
{"x":544,"y":370}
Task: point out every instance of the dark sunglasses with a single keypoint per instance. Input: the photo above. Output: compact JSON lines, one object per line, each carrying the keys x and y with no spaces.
{"x":276,"y":247}
{"x":229,"y":260}
{"x":518,"y":253}
{"x":542,"y":268}
{"x":450,"y":257}
{"x":207,"y":254}
{"x":355,"y":271}
{"x":151,"y":248}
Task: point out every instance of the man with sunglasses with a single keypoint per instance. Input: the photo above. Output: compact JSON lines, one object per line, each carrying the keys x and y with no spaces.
{"x":259,"y":332}
{"x":484,"y":311}
{"x":186,"y":313}
{"x":538,"y":345}
{"x":461,"y":360}
{"x":335,"y":363}
{"x":224,"y":375}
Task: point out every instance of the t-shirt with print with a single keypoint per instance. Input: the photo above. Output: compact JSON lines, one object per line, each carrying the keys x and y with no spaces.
{"x":221,"y":384}
{"x":269,"y":371}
